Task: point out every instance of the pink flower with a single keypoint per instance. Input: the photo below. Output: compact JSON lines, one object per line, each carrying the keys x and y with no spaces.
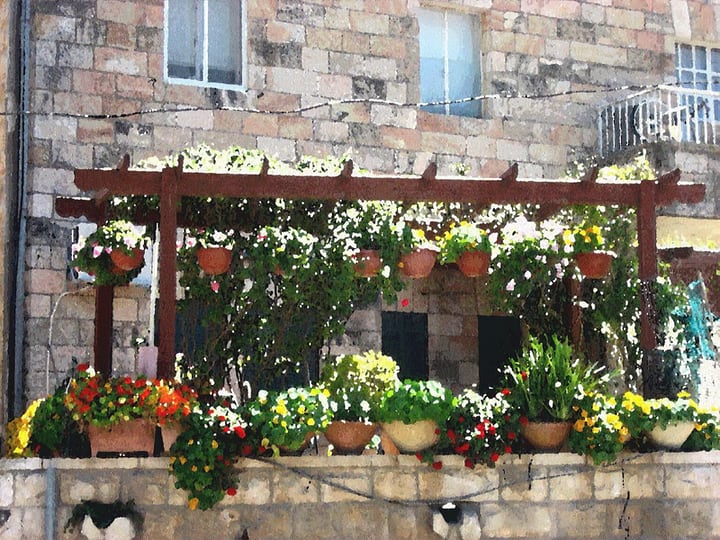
{"x":215,"y":286}
{"x":405,"y":302}
{"x":510,"y":285}
{"x":97,"y":251}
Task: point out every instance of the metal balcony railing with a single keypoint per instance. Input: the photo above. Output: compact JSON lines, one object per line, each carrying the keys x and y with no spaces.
{"x":665,"y":113}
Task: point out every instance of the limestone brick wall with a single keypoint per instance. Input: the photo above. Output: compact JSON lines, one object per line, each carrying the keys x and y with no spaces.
{"x":660,"y":495}
{"x":324,"y":78}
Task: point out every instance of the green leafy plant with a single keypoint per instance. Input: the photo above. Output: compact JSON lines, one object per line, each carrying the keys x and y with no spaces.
{"x":706,"y":435}
{"x":209,"y":237}
{"x":544,"y":381}
{"x":54,"y":432}
{"x":202,"y":458}
{"x":463,"y":237}
{"x":356,"y":383}
{"x":600,"y":431}
{"x":284,"y":420}
{"x":412,"y":401}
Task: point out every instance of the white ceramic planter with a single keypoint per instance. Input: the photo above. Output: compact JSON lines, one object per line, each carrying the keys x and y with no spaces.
{"x":411,"y":438}
{"x":672,"y":437}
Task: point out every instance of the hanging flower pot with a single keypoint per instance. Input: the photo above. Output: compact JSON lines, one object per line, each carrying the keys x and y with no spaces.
{"x":367,"y":263}
{"x":126,"y":262}
{"x":214,"y":260}
{"x":349,"y":437}
{"x":594,"y":264}
{"x":474,"y":263}
{"x":418,"y":263}
{"x":546,"y":436}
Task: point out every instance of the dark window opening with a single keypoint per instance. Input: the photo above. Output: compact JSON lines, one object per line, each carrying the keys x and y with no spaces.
{"x":499,"y":339}
{"x":405,"y":339}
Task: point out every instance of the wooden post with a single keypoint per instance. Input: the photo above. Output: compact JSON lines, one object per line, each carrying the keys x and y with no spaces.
{"x":102,"y":345}
{"x":168,"y":233}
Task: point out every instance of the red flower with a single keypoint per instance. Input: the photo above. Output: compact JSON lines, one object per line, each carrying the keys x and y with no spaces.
{"x":451,"y":435}
{"x":231,"y":491}
{"x":461,"y":419}
{"x":511,"y":435}
{"x":494,"y":457}
{"x":505,"y":391}
{"x":508,"y":450}
{"x":437,"y":431}
{"x":469,"y":463}
{"x":419,"y":456}
{"x":82,"y":368}
{"x":437,"y":465}
{"x":261,"y":449}
{"x":463,"y":448}
{"x":405,"y":302}
{"x":239,"y":431}
{"x":523,"y":420}
{"x":523,"y":374}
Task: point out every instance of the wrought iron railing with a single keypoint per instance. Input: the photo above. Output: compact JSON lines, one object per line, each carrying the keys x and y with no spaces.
{"x":664,"y":113}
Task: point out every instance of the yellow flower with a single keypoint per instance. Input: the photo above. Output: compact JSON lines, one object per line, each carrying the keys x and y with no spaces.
{"x":579,"y":425}
{"x":283,"y":424}
{"x":191,"y":442}
{"x":310,"y":422}
{"x":193,"y":468}
{"x":301,"y":409}
{"x":206,"y":468}
{"x":568,"y":237}
{"x":183,"y":460}
{"x":193,"y":503}
{"x":265,"y":442}
{"x":214,"y":444}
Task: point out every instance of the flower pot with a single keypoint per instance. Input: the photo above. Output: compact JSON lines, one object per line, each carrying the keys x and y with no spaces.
{"x":474,"y":263}
{"x":418,"y":263}
{"x":368,"y":263}
{"x":127,"y":262}
{"x":170,"y":431}
{"x":214,"y":260}
{"x":349,"y":437}
{"x":546,"y":436}
{"x":410,"y":438}
{"x":286,"y":451}
{"x":131,"y":437}
{"x":594,"y":264}
{"x":672,"y":437}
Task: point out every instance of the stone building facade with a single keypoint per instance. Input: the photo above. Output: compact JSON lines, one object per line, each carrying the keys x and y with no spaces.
{"x":322,"y":78}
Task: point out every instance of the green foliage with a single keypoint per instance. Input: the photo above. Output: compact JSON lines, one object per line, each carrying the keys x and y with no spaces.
{"x":356,"y":383}
{"x":53,"y":427}
{"x":706,"y":435}
{"x":412,"y":401}
{"x":462,"y":237}
{"x":599,"y":432}
{"x":545,"y":380}
{"x":584,"y":239}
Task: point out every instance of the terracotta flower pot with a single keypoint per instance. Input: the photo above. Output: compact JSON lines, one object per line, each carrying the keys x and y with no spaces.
{"x":410,"y":438}
{"x":546,"y":436}
{"x":672,"y":437}
{"x":127,"y":262}
{"x":368,"y":263}
{"x":214,"y":260}
{"x":594,"y":264}
{"x":170,"y":431}
{"x":474,"y":263}
{"x":136,"y":435}
{"x":418,"y":263}
{"x":349,"y":437}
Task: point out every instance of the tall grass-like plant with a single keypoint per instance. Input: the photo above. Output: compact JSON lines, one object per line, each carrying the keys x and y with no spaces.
{"x":545,"y":380}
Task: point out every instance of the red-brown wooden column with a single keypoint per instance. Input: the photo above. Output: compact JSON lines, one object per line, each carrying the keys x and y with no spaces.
{"x":168,"y":233}
{"x":102,"y":344}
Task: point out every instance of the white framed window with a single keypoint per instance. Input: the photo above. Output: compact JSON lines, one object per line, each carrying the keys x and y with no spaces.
{"x":698,"y":70}
{"x":450,"y":61}
{"x":205,"y":43}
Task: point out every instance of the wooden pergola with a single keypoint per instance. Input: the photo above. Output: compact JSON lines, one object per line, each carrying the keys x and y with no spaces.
{"x":171,"y":183}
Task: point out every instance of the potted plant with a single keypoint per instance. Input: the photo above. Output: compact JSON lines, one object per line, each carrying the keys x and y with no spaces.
{"x":542,"y":384}
{"x":203,"y":458}
{"x":281,"y":251}
{"x":119,"y":414}
{"x":370,"y":237}
{"x":356,"y":384}
{"x":213,"y":248}
{"x":285,"y":421}
{"x":175,"y":401}
{"x":413,"y":413}
{"x":467,"y":245}
{"x":601,"y":429}
{"x":113,"y":254}
{"x":417,"y":253}
{"x":587,"y":244}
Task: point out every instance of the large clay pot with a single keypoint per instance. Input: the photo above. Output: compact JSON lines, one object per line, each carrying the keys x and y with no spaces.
{"x":546,"y":436}
{"x":474,"y":263}
{"x":170,"y":431}
{"x":214,"y":260}
{"x":349,"y":437}
{"x":131,"y":437}
{"x":411,"y":438}
{"x":418,"y":263}
{"x":671,"y":437}
{"x":368,"y":263}
{"x":594,"y":264}
{"x":127,"y":262}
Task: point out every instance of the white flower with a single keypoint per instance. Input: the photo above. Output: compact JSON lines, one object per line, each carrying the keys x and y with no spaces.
{"x":527,"y":274}
{"x":510,"y":285}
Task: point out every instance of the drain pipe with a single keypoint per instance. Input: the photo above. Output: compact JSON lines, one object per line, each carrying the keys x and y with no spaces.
{"x":50,"y":499}
{"x":17,"y":314}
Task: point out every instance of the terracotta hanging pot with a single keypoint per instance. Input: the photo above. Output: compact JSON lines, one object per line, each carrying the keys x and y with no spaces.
{"x":349,"y":437}
{"x":214,"y":260}
{"x":127,"y":262}
{"x":546,"y":436}
{"x":474,"y":263}
{"x":417,"y":264}
{"x":594,"y":264}
{"x":368,"y":263}
{"x":137,"y":435}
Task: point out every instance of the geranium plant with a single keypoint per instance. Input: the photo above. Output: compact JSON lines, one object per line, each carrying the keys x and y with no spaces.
{"x":545,"y":380}
{"x":285,"y":420}
{"x":463,"y":237}
{"x":356,"y":384}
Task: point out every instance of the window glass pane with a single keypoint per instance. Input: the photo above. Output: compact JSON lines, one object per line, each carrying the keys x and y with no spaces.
{"x":184,"y":49}
{"x":684,"y":56}
{"x":432,"y":62}
{"x":224,"y":41}
{"x":700,"y":58}
{"x":463,"y":64}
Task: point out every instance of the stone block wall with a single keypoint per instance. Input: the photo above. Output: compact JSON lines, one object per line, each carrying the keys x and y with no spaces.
{"x":648,"y":496}
{"x":323,"y":79}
